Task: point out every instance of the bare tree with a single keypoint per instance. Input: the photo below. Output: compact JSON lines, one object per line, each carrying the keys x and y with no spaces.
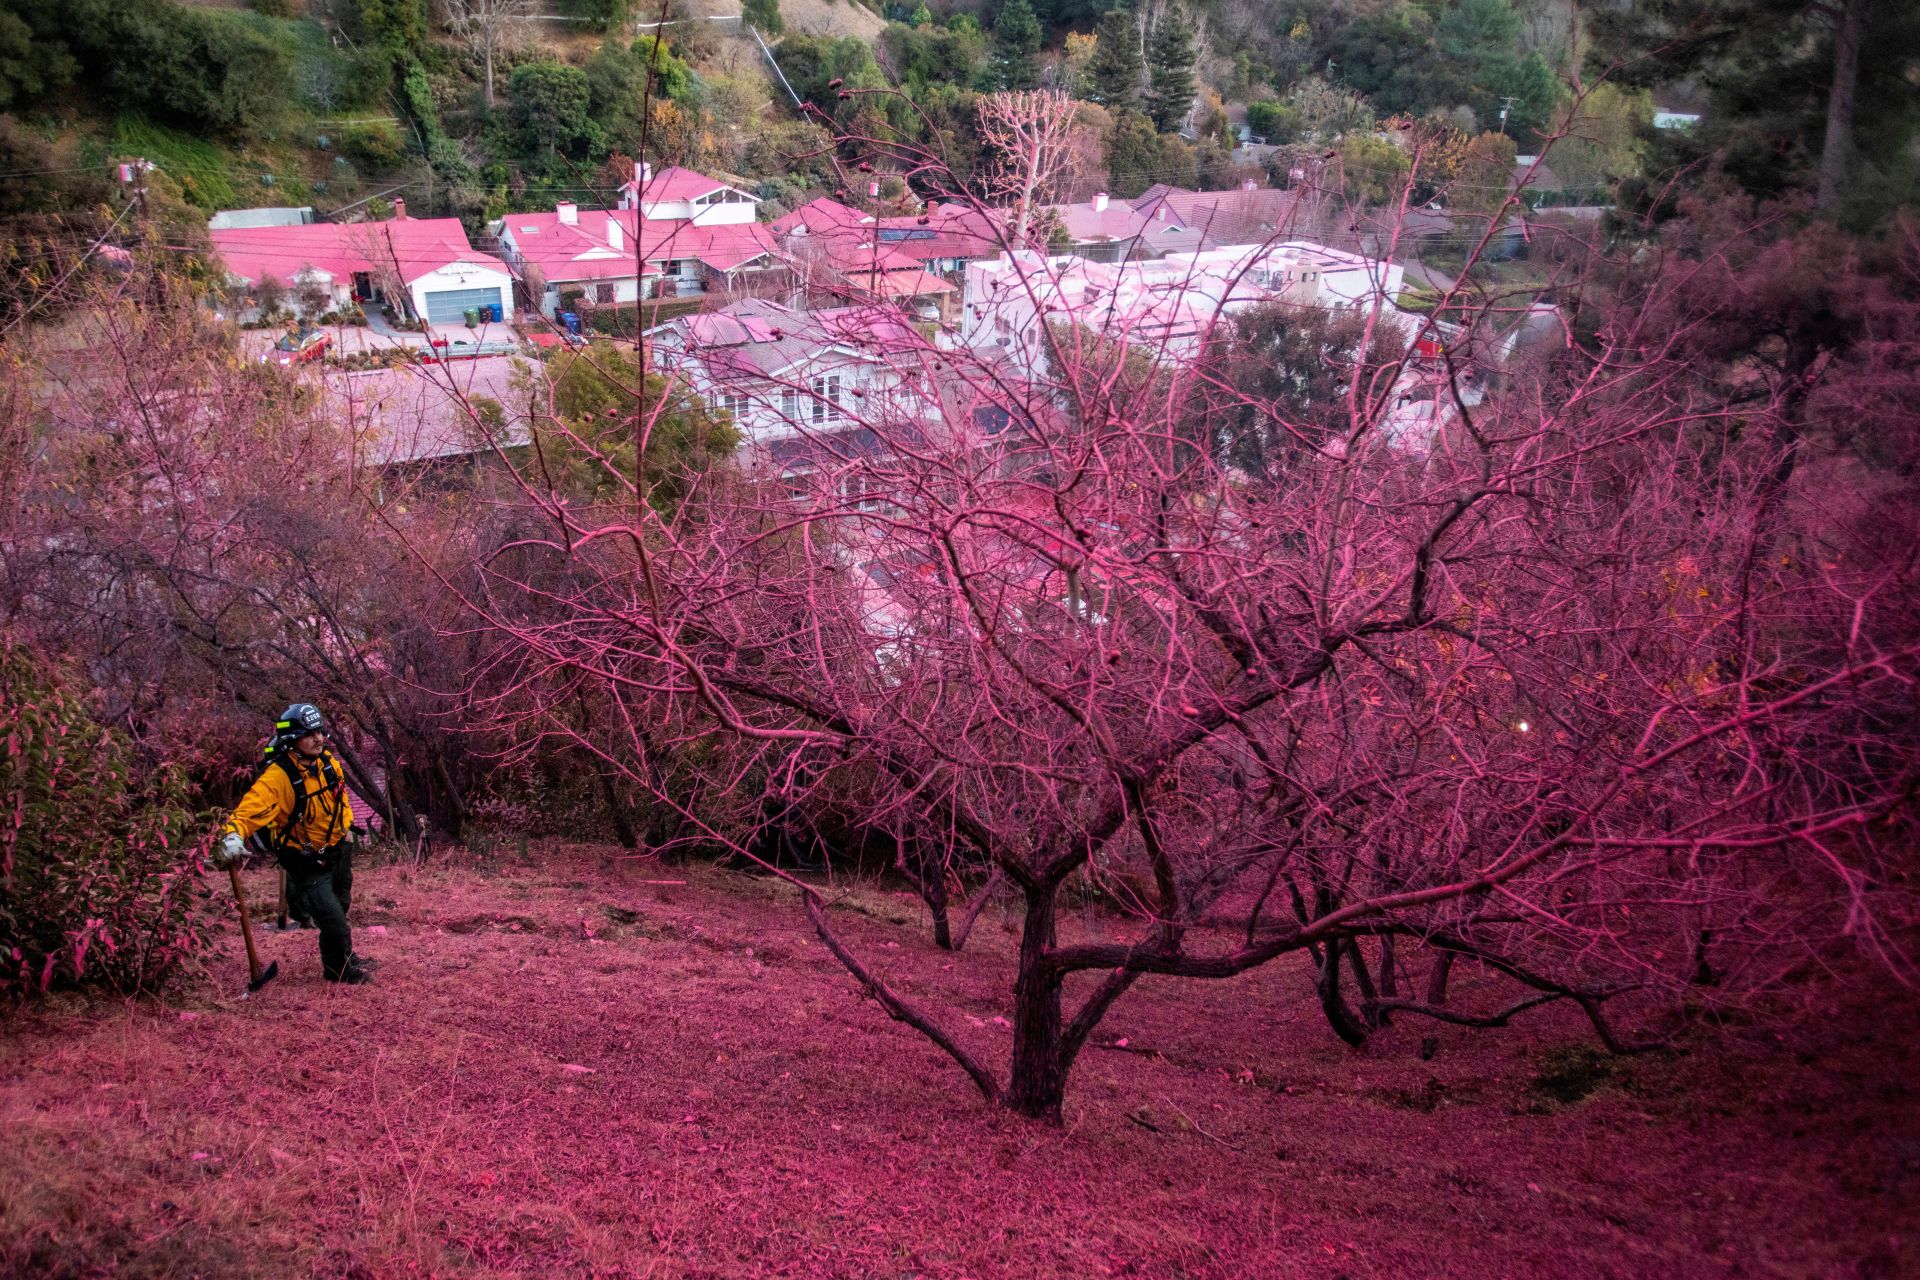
{"x":487,"y":28}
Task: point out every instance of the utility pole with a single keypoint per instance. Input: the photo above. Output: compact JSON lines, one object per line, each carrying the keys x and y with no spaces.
{"x":1506,"y":105}
{"x":133,"y":176}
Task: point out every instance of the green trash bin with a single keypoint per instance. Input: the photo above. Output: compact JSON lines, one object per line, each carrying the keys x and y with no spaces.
{"x":470,"y":314}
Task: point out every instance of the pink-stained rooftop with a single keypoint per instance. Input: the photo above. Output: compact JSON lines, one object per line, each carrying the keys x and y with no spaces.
{"x":677,"y":183}
{"x":416,"y":245}
{"x":824,"y":214}
{"x":585,"y":248}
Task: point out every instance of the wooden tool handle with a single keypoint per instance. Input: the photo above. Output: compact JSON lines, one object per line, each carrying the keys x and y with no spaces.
{"x":246,"y":926}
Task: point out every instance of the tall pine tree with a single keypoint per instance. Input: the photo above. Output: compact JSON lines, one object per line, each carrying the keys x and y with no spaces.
{"x":1170,"y":59}
{"x":1016,"y":47}
{"x":1116,"y":67}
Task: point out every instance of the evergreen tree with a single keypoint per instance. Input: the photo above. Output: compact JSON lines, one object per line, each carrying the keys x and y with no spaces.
{"x":1116,"y":67}
{"x":1170,"y":58}
{"x":1016,"y":47}
{"x":764,"y":15}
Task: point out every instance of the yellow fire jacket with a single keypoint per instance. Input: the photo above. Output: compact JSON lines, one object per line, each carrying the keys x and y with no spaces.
{"x":269,"y":803}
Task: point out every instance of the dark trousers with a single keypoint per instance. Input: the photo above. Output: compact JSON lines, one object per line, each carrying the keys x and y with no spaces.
{"x":322,"y":889}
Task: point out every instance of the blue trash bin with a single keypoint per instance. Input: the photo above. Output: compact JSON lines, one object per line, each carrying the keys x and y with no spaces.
{"x":499,"y":313}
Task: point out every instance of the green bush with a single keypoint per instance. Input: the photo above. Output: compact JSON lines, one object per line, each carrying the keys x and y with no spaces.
{"x":1275,"y":121}
{"x":99,"y":885}
{"x":378,"y":145}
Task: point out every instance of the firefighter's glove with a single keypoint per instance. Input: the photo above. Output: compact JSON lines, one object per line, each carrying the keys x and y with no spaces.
{"x":229,"y":851}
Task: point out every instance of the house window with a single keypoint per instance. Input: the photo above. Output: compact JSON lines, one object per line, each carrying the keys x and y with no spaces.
{"x":790,"y":405}
{"x":603,"y":292}
{"x":826,"y":398}
{"x":734,"y":403}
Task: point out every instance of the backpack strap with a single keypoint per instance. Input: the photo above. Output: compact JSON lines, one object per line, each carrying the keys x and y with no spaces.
{"x":299,"y":782}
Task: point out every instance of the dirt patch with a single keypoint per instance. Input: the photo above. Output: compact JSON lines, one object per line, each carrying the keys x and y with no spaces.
{"x":546,"y":1080}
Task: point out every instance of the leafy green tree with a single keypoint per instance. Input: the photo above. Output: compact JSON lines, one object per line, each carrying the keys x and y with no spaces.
{"x":813,"y":63}
{"x":1290,"y":368}
{"x":97,"y":856}
{"x":1532,"y":85}
{"x":1170,"y":59}
{"x":1138,"y":155}
{"x":922,"y":16}
{"x":764,"y":15}
{"x":926,"y":55}
{"x":1391,"y":56}
{"x":1769,"y":69}
{"x":1604,"y":136}
{"x":1372,"y":168}
{"x":1117,"y":68}
{"x":34,"y":57}
{"x":1473,"y":32}
{"x":397,"y":25}
{"x":1277,"y":122}
{"x":1015,"y":63}
{"x":594,"y":396}
{"x":552,"y":105}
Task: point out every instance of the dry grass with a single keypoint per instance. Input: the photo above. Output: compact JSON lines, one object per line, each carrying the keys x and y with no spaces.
{"x":563,"y":1071}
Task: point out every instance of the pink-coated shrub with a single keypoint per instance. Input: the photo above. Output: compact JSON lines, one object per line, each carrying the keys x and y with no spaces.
{"x":99,"y":884}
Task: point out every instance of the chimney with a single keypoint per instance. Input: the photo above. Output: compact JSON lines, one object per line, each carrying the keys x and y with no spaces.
{"x":642,"y":172}
{"x":614,"y":233}
{"x":569,"y":212}
{"x":1099,"y":202}
{"x":399,"y":209}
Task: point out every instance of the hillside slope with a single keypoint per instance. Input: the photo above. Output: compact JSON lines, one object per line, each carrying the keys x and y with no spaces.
{"x":567,"y":1070}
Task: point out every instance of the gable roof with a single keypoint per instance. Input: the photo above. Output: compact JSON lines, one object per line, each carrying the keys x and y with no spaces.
{"x":584,"y":249}
{"x":676,"y":183}
{"x":416,"y":246}
{"x":821,"y":214}
{"x":757,"y":339}
{"x":947,"y":231}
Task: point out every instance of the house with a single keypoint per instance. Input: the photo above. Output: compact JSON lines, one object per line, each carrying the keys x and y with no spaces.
{"x":675,"y":194}
{"x":1165,"y":219}
{"x":676,"y":233}
{"x":838,"y":261}
{"x":821,"y":216}
{"x":1169,"y":307}
{"x":612,"y":256}
{"x":424,"y":267}
{"x":802,"y":386}
{"x":947,"y":237}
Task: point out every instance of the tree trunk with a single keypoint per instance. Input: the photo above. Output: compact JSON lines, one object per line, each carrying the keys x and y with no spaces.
{"x":1838,"y":146}
{"x":933,"y":887}
{"x":1437,"y":979}
{"x":929,"y":876}
{"x":1333,"y":1002}
{"x":622,"y":826}
{"x":1437,"y":997}
{"x":1038,"y":1080}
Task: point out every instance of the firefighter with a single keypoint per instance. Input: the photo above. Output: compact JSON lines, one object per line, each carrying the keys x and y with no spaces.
{"x":298,"y":811}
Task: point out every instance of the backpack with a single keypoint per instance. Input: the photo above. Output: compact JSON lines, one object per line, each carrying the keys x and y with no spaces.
{"x":278,"y":844}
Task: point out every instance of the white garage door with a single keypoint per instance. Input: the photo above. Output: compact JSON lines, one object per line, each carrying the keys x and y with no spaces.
{"x":449,"y":306}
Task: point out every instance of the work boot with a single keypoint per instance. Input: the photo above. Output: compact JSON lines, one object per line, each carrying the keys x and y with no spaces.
{"x":358,"y":961}
{"x":353,"y":977}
